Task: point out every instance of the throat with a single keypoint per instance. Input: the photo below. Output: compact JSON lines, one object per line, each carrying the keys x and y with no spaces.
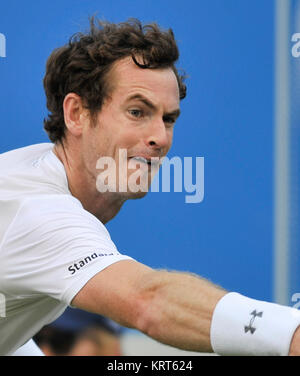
{"x":103,"y":206}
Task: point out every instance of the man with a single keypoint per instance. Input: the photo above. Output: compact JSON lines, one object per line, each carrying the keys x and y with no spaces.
{"x":113,"y":89}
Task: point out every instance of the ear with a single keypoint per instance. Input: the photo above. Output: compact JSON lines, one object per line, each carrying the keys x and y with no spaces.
{"x":74,"y":114}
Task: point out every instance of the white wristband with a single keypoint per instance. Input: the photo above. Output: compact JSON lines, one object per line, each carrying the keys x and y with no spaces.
{"x":244,"y":326}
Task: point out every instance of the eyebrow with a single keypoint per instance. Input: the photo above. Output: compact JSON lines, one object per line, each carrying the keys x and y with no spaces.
{"x":152,"y":106}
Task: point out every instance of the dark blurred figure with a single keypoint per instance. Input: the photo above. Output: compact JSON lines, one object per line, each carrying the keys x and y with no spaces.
{"x":79,"y":333}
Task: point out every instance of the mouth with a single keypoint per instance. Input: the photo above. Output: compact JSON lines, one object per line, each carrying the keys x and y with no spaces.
{"x":148,"y":161}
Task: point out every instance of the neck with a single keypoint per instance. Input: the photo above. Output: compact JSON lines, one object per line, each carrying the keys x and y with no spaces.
{"x":82,"y":185}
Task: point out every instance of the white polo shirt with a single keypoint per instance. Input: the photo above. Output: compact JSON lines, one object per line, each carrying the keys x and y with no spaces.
{"x":50,"y":246}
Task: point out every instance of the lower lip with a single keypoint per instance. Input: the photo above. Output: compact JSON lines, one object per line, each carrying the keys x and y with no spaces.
{"x":151,"y":167}
{"x":140,"y":161}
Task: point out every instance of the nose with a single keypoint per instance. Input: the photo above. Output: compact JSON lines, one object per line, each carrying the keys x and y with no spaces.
{"x":159,"y":137}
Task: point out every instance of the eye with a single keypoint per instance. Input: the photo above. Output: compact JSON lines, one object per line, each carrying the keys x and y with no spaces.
{"x":136,"y":112}
{"x":169,"y":120}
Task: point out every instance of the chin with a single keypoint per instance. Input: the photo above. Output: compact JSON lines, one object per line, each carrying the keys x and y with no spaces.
{"x":139,"y":195}
{"x":135,"y":195}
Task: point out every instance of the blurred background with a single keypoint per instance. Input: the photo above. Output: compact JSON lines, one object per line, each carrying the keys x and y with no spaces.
{"x":241,"y":114}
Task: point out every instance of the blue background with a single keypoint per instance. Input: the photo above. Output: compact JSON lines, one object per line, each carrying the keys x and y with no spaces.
{"x":227,"y":49}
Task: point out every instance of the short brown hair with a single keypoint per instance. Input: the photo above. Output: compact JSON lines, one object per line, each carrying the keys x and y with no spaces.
{"x":82,"y":65}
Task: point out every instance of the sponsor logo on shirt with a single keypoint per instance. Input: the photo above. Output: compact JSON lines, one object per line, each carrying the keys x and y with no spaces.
{"x":81,"y":263}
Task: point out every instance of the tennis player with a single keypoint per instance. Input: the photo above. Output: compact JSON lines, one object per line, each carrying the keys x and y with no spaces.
{"x":114,"y":88}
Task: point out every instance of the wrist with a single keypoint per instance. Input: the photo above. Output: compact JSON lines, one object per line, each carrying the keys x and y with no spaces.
{"x":244,"y":326}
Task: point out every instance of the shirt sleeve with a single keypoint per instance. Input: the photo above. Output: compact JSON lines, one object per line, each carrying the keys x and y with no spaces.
{"x":53,"y":247}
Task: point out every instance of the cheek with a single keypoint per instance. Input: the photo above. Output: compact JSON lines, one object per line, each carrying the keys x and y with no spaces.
{"x":170,"y":139}
{"x":102,"y":138}
{"x":127,"y":139}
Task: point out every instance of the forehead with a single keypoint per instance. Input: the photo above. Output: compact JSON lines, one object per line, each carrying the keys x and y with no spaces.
{"x":160,"y":85}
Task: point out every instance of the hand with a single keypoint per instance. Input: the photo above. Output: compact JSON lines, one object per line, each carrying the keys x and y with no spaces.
{"x":295,"y":344}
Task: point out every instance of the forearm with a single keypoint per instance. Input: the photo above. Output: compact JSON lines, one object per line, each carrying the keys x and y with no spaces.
{"x":178,"y":309}
{"x":189,"y":312}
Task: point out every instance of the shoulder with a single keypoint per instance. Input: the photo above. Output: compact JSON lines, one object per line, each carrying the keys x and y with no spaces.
{"x":55,"y":217}
{"x":16,"y":157}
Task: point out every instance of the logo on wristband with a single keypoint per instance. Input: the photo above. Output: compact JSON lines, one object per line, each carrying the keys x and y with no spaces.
{"x":250,"y":328}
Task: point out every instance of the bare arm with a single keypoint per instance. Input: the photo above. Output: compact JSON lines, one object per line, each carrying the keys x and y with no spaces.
{"x":173,"y":308}
{"x":295,"y":344}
